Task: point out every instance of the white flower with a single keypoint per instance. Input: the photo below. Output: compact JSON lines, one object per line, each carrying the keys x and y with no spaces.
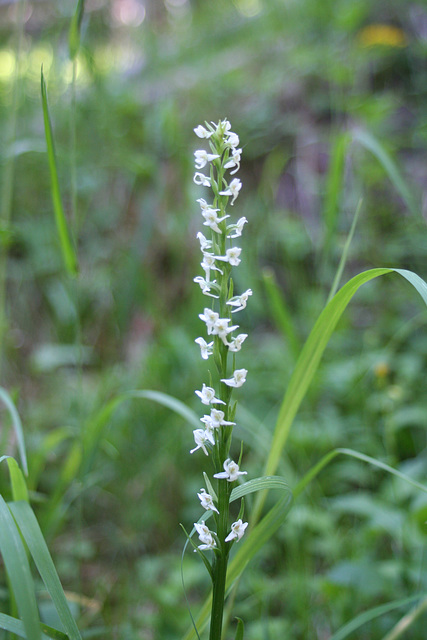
{"x":232,"y":139}
{"x":212,"y":220}
{"x":216,"y":420}
{"x":200,"y":179}
{"x":238,"y":379}
{"x":220,"y":328}
{"x":237,"y":531}
{"x":205,"y":536}
{"x":237,"y":228}
{"x":204,"y":242}
{"x":205,"y":348}
{"x":232,"y":190}
{"x":209,"y":317}
{"x":204,"y":205}
{"x":231,"y":471}
{"x":202,"y":157}
{"x":206,"y":286}
{"x":207,"y":396}
{"x":234,"y":161}
{"x":206,"y":501}
{"x":208,"y":264}
{"x":201,"y":132}
{"x":239,"y":301}
{"x":201,"y":438}
{"x":236,"y":344}
{"x":231,"y":256}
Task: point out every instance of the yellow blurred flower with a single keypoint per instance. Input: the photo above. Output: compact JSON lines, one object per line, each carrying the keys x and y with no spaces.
{"x":382,"y":34}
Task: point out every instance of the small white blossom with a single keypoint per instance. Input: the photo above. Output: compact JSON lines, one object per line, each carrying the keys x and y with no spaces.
{"x":208,"y":265}
{"x":232,"y":190}
{"x":220,"y":328}
{"x":209,"y":317}
{"x":212,"y":220}
{"x":236,"y":344}
{"x":206,"y":501}
{"x":206,"y":286}
{"x":237,"y":531}
{"x":201,"y":132}
{"x":202,"y":180}
{"x":239,"y":301}
{"x":231,"y":256}
{"x":234,"y":161}
{"x":238,"y":379}
{"x":201,"y":438}
{"x":216,"y":420}
{"x":232,"y":139}
{"x":204,"y":242}
{"x":231,"y":471}
{"x":205,"y":536}
{"x":236,"y":228}
{"x":202,"y":157}
{"x":207,"y":396}
{"x":205,"y":348}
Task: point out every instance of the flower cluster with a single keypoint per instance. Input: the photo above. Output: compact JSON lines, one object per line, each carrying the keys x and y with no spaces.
{"x":219,"y":255}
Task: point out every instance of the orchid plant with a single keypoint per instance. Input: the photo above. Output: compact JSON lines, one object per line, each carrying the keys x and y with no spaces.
{"x":219,"y":256}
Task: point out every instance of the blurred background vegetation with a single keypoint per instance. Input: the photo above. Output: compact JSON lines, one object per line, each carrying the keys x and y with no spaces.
{"x":329,"y":98}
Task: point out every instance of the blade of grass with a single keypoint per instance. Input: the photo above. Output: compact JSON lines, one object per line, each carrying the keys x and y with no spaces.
{"x":367,"y":140}
{"x":367,"y":616}
{"x":74,"y":32}
{"x":15,"y":626}
{"x":18,"y":571}
{"x":280,"y":312}
{"x":310,"y":357}
{"x":334,"y":185}
{"x":17,"y":425}
{"x":344,"y":255}
{"x":33,"y":536}
{"x":68,"y":253}
{"x":19,"y":488}
{"x":403,"y":625}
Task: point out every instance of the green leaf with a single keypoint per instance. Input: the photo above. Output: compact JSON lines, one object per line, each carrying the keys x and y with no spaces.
{"x":15,"y":626}
{"x":374,"y":146}
{"x":74,"y":33}
{"x":334,"y":184}
{"x":280,"y":311}
{"x":68,"y":253}
{"x":367,"y":616}
{"x":19,"y":488}
{"x":240,"y":629}
{"x":18,"y":570}
{"x":33,"y":537}
{"x":17,"y":425}
{"x":310,"y":357}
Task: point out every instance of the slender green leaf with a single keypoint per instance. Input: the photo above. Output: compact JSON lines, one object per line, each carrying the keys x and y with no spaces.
{"x":314,"y":471}
{"x":367,"y":140}
{"x":344,"y":255}
{"x":334,"y":183}
{"x":18,"y":570}
{"x":367,"y":616}
{"x":74,"y":33}
{"x":15,"y":626}
{"x":310,"y":357}
{"x":17,"y":425}
{"x":408,"y":619}
{"x":19,"y":487}
{"x":240,"y":629}
{"x":280,"y":312}
{"x":68,"y":253}
{"x":33,"y":536}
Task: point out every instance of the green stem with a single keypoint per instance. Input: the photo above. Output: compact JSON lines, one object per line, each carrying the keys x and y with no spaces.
{"x":220,"y":564}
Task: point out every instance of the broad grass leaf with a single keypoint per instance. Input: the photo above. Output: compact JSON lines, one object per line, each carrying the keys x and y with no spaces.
{"x":15,"y":626}
{"x":19,"y":487}
{"x":68,"y":253}
{"x":33,"y":536}
{"x":18,"y":570}
{"x":17,"y":425}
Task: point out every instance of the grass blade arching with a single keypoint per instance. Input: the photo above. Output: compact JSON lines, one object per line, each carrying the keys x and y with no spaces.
{"x":68,"y":253}
{"x":17,"y":425}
